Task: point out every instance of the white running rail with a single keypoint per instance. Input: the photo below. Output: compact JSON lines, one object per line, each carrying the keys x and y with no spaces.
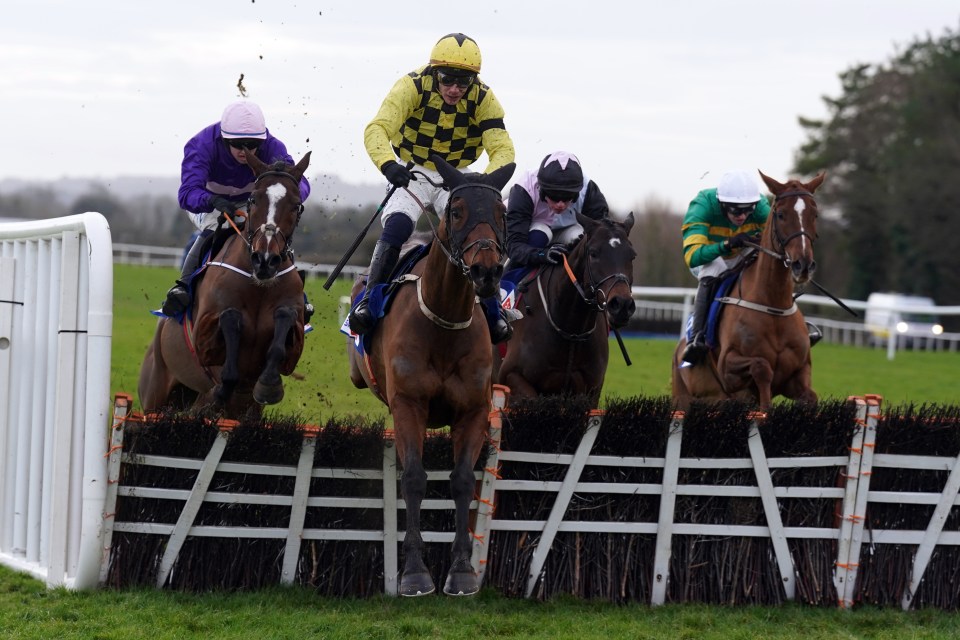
{"x":56,"y":323}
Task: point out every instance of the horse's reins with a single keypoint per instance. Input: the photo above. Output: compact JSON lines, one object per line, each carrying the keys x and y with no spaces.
{"x":783,"y":257}
{"x":596,"y":300}
{"x":786,"y":259}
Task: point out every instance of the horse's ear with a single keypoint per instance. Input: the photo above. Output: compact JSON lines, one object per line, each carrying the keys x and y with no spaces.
{"x":450,"y":174}
{"x":588,"y":223}
{"x":255,"y":164}
{"x":628,"y":222}
{"x":814,"y":184}
{"x":501,"y":176}
{"x":302,"y":166}
{"x":776,"y":188}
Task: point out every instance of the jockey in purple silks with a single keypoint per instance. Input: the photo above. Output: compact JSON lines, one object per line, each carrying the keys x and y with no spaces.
{"x":215,"y":180}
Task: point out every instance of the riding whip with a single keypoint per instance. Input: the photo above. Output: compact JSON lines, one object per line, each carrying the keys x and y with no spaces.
{"x":360,"y":236}
{"x":623,"y":347}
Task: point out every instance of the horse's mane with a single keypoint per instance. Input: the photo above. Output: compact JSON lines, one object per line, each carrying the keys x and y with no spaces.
{"x":279,"y":165}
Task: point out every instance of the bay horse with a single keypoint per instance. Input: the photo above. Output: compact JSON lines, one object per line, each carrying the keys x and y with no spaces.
{"x":429,"y":360}
{"x":561,"y":345}
{"x":245,"y":327}
{"x":764,"y":345}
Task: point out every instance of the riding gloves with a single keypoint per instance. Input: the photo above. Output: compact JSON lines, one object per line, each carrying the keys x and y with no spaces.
{"x":397,"y":174}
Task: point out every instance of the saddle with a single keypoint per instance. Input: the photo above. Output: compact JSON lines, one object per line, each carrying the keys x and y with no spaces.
{"x":381,"y":295}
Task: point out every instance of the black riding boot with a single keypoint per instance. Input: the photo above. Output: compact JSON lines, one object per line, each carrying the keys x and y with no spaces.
{"x":178,"y":297}
{"x":384,"y":259}
{"x":813,"y":331}
{"x":497,"y":320}
{"x":697,"y":347}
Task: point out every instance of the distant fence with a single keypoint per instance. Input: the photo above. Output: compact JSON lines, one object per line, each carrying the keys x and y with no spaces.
{"x":56,"y":321}
{"x":664,"y":308}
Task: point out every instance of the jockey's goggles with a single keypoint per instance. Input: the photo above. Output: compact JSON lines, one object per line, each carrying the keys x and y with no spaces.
{"x":560,"y":196}
{"x":244,"y":143}
{"x":737,"y":209}
{"x":448,"y":80}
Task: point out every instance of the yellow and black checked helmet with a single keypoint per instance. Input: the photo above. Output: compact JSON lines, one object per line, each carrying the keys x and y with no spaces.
{"x":456,"y":51}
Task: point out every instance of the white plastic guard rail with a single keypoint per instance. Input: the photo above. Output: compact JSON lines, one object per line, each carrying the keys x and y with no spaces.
{"x":56,"y":322}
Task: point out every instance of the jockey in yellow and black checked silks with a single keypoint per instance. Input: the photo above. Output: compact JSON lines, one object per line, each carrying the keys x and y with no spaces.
{"x":422,"y":124}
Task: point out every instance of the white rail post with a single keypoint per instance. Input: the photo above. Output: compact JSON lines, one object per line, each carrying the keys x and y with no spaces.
{"x":192,"y":506}
{"x":859,"y":515}
{"x":491,"y":473}
{"x":668,"y":503}
{"x":843,"y":571}
{"x":391,"y":537}
{"x":298,"y":508}
{"x":771,"y":509}
{"x":562,"y":501}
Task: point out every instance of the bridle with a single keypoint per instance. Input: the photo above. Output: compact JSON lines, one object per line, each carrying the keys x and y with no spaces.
{"x":781,"y":241}
{"x":453,"y":248}
{"x":270,"y":231}
{"x":594,"y":295}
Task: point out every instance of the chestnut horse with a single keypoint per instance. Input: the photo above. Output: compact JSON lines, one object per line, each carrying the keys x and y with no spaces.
{"x":245,"y":327}
{"x":429,"y":361}
{"x":764,"y":345}
{"x":561,"y":345}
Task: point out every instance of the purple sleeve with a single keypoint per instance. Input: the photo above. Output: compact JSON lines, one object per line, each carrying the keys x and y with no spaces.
{"x":198,"y":158}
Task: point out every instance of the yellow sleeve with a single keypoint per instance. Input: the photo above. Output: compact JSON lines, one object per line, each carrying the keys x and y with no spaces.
{"x":400,"y":102}
{"x":496,"y":139}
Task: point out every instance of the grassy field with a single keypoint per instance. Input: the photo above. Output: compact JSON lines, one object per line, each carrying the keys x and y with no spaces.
{"x":30,"y":612}
{"x":321,"y":387}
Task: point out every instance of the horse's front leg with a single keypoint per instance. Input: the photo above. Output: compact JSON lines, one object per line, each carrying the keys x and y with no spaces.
{"x":469,"y":438}
{"x":231,"y":327}
{"x":269,"y":386}
{"x":410,"y":431}
{"x":739,"y":371}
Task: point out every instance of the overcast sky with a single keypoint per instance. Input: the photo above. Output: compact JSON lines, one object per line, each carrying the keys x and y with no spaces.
{"x":656,"y":98}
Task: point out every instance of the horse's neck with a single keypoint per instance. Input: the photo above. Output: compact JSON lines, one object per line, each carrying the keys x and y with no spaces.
{"x":768,"y":282}
{"x":446,"y":290}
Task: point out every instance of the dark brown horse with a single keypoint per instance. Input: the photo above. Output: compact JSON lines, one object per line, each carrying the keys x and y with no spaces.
{"x":247,"y":313}
{"x":561,"y":345}
{"x":430,"y":361}
{"x":764,"y":345}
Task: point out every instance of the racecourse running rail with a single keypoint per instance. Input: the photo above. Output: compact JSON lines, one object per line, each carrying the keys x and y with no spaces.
{"x":56,"y":322}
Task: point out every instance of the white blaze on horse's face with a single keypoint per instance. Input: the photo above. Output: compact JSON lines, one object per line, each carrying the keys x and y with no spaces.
{"x":614,"y":242}
{"x":275,"y":194}
{"x":800,"y":206}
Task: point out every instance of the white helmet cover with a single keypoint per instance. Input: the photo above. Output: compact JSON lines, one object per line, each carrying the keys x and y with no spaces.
{"x":243,"y":120}
{"x":738,"y":187}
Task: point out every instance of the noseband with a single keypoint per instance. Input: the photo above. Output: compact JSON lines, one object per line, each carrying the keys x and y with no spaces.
{"x":455,"y":251}
{"x":271,"y":230}
{"x":783,"y":242}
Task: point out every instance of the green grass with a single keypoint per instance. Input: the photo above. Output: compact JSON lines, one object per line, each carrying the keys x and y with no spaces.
{"x":29,"y":611}
{"x":321,"y":387}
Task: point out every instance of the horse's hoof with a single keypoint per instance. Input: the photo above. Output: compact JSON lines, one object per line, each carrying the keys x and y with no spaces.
{"x":461,"y":584}
{"x":268,"y":394}
{"x":416,"y":584}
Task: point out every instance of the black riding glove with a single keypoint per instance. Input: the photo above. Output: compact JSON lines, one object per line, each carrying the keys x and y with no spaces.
{"x":741,"y":239}
{"x":555,"y":253}
{"x":223,"y":205}
{"x":397,"y":174}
